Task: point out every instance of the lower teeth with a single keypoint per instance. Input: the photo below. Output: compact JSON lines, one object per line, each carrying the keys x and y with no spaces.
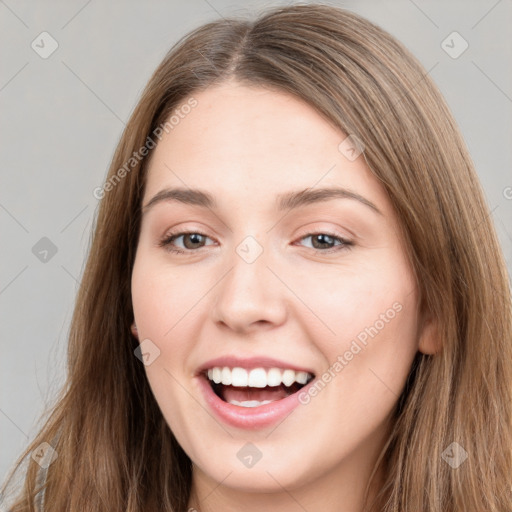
{"x":249,"y":403}
{"x":218,"y":389}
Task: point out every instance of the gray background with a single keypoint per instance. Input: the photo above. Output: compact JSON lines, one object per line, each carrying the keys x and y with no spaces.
{"x":62,"y":117}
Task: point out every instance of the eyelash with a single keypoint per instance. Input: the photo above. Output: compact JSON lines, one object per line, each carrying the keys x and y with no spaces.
{"x":170,"y":237}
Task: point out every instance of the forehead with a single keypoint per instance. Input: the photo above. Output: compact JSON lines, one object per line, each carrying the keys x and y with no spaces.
{"x":251,"y":143}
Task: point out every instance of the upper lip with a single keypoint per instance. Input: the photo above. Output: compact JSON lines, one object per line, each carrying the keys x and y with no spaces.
{"x":250,"y":363}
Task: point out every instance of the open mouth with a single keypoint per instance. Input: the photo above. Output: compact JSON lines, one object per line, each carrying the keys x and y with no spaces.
{"x":256,"y":387}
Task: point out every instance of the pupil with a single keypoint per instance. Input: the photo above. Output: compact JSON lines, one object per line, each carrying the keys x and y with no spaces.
{"x":194,"y":236}
{"x":323,"y":238}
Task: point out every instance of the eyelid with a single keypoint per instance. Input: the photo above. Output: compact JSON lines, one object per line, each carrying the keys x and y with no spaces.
{"x":171,"y":234}
{"x":345,"y":243}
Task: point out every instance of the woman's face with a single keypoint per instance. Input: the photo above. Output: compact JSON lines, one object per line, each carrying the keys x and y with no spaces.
{"x":314,"y":289}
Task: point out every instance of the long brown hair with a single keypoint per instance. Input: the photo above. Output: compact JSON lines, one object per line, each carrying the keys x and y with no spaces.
{"x":114,"y":449}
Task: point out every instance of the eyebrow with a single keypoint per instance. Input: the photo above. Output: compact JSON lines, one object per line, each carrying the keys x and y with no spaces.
{"x":287,"y":201}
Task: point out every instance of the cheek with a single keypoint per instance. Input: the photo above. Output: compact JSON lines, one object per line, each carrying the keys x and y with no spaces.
{"x":371,"y":358}
{"x":163,"y":300}
{"x":369,"y":333}
{"x":349,"y":300}
{"x":164,"y":296}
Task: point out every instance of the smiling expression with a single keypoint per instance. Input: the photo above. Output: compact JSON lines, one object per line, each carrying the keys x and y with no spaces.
{"x":275,"y":284}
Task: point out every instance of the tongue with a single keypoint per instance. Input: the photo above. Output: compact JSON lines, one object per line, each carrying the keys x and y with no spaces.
{"x":260,"y":394}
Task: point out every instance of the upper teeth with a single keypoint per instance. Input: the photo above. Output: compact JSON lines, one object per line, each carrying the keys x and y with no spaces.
{"x":256,"y":378}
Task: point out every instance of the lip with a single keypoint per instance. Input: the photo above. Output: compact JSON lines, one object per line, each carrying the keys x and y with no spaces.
{"x":249,"y":418}
{"x":250,"y":363}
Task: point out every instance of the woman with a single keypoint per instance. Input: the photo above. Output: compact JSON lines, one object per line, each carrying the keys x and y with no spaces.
{"x":226,"y":355}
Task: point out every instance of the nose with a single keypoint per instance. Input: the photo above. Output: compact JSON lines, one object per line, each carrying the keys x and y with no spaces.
{"x":250,"y":295}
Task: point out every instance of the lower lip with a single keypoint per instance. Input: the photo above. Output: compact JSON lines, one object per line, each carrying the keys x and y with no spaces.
{"x":249,"y":417}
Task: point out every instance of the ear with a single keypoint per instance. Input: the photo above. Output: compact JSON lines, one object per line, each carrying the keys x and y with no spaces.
{"x":134,"y":330}
{"x":429,"y":341}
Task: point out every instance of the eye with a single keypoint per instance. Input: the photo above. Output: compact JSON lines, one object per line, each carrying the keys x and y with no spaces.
{"x":325,"y":242}
{"x":191,"y":240}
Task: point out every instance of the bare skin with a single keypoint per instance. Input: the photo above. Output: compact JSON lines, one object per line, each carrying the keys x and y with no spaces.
{"x":295,"y":302}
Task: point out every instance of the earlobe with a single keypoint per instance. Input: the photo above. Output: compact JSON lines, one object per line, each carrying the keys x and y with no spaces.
{"x":429,"y":340}
{"x":134,"y":330}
